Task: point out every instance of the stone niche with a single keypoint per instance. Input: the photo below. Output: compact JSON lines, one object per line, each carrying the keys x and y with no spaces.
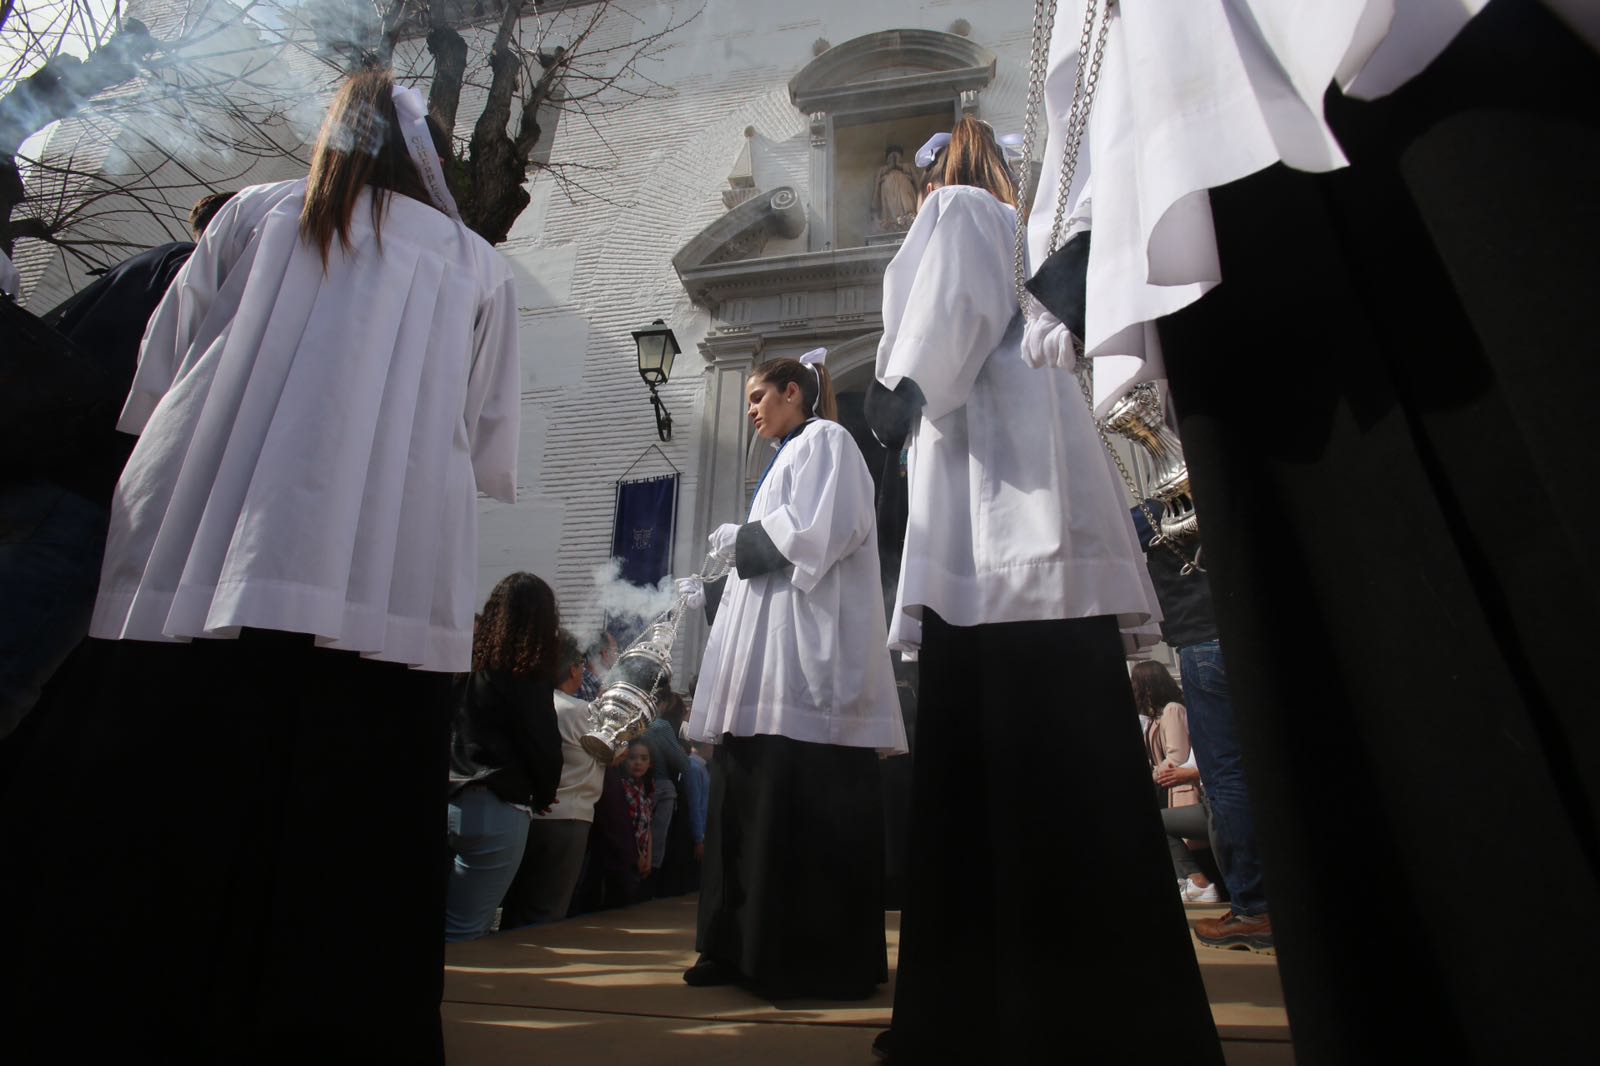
{"x":895,"y":87}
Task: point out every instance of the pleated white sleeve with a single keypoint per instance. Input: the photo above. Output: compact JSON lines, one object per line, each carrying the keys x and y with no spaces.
{"x":494,"y":395}
{"x":829,"y":513}
{"x":948,"y":296}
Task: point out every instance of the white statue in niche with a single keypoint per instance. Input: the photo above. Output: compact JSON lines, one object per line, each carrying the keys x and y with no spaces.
{"x":894,"y":193}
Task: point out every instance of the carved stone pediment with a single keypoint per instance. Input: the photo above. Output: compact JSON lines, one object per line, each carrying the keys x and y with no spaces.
{"x":898,"y":65}
{"x":743,"y":232}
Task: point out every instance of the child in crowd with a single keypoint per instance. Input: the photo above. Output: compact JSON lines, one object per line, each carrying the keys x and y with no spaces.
{"x":639,"y":788}
{"x":619,"y":843}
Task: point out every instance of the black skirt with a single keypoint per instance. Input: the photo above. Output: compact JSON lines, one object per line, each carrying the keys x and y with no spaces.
{"x":1386,"y":407}
{"x":1040,"y":910}
{"x":228,"y":850}
{"x":791,"y":890}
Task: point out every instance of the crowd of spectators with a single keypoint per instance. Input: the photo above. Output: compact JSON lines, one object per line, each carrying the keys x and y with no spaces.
{"x":538,"y":830}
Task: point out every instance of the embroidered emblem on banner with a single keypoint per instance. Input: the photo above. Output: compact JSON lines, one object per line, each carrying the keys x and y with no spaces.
{"x":643,"y":537}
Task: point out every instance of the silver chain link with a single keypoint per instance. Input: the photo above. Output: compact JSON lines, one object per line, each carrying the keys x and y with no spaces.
{"x":1084,"y":85}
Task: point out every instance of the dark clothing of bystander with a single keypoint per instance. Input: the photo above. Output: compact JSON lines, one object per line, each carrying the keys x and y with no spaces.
{"x":504,"y":735}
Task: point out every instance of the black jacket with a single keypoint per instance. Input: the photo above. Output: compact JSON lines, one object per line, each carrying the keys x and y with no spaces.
{"x":503,"y":734}
{"x":1185,"y":600}
{"x":107,"y":321}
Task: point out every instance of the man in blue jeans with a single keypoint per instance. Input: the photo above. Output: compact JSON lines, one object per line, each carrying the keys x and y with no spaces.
{"x":1191,"y":629}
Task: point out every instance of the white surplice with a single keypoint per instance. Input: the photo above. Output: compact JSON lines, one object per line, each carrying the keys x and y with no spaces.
{"x":1015,"y":511}
{"x":1194,"y":95}
{"x":799,"y":652}
{"x":311,"y":442}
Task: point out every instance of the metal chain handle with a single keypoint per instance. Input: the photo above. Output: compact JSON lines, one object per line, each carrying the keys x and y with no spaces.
{"x":1085,"y":82}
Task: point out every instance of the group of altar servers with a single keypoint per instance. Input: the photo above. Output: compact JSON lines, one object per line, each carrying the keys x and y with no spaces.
{"x":232,"y":831}
{"x":1395,"y":207}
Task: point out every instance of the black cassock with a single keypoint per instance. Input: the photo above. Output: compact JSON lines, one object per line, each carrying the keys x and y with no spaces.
{"x":1385,"y":407}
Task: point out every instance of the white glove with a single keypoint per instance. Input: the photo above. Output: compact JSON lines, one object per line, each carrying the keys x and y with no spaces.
{"x":1048,"y":342}
{"x":722,"y":539}
{"x":693,"y":590}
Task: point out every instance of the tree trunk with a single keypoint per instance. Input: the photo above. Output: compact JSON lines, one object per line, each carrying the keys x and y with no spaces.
{"x":496,"y":196}
{"x":449,"y":50}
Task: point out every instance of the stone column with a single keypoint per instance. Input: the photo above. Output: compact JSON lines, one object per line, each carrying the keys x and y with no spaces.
{"x":820,"y":230}
{"x":724,"y":441}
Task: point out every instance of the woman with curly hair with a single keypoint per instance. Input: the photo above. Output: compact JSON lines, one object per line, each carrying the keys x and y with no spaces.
{"x":505,"y":748}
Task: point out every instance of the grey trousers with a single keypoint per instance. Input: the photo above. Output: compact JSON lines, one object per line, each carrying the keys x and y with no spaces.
{"x":1184,"y":822}
{"x":660,"y":823}
{"x":551,"y":863}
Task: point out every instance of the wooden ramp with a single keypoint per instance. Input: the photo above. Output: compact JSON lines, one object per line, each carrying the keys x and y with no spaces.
{"x":608,"y":988}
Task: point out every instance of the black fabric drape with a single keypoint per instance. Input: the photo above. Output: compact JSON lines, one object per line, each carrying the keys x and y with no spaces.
{"x":229,"y":850}
{"x":1384,"y":408}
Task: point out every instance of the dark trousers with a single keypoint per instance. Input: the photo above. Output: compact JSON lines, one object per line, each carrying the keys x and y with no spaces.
{"x":1385,"y":408}
{"x":1039,"y":898}
{"x":234,"y":852}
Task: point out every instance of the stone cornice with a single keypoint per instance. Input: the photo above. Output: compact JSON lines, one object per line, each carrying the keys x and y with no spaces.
{"x":781,"y":273}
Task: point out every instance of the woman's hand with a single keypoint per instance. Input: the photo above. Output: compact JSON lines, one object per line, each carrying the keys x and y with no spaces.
{"x":1168,"y":776}
{"x":644,"y":865}
{"x":693,"y":591}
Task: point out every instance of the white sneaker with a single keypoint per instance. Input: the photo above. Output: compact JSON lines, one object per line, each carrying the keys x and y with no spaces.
{"x":1193,"y":893}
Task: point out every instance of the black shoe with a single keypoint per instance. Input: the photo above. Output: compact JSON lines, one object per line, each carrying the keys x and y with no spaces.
{"x":883,"y":1045}
{"x":707,"y":972}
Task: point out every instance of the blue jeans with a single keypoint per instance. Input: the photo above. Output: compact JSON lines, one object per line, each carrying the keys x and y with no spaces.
{"x":487,"y":835}
{"x":51,"y":541}
{"x":1217,"y":753}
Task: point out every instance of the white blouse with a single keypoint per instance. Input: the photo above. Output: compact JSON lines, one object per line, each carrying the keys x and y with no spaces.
{"x":1192,"y":96}
{"x":311,"y":442}
{"x":799,"y":652}
{"x":1015,"y":511}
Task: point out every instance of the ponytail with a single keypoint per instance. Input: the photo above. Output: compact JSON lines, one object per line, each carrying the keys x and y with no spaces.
{"x":973,"y":157}
{"x":816,"y":385}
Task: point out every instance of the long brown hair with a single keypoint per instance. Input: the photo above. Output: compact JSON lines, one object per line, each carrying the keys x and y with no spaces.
{"x":360,"y":146}
{"x":519,"y":629}
{"x":973,"y":157}
{"x":1153,"y":688}
{"x":783,"y":372}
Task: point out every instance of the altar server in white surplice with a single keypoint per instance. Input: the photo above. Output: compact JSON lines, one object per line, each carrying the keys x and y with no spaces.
{"x":1358,"y":239}
{"x":1020,"y":567}
{"x":288,"y":586}
{"x":797,"y":692}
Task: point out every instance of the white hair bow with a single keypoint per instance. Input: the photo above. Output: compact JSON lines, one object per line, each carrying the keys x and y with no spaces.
{"x":815,"y":357}
{"x":413,"y":112}
{"x":926,"y":153}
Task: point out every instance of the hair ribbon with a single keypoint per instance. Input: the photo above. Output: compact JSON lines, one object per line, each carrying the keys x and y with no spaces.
{"x":814,"y":358}
{"x":930,"y":149}
{"x":413,"y":113}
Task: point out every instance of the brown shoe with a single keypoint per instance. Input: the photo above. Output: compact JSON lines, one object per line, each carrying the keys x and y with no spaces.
{"x":1250,"y":932}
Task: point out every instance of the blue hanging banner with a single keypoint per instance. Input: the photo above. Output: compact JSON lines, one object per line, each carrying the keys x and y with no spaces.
{"x":642,"y":528}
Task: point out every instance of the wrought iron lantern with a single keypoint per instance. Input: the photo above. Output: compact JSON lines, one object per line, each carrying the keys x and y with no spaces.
{"x":657,"y":348}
